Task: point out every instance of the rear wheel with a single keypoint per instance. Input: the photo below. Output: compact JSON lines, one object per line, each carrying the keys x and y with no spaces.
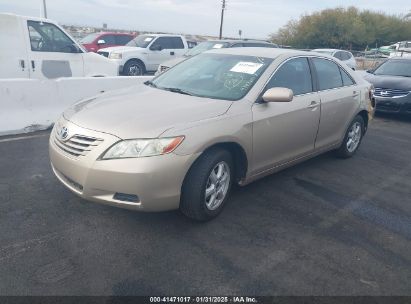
{"x":352,"y":139}
{"x":134,"y":68}
{"x":207,"y":185}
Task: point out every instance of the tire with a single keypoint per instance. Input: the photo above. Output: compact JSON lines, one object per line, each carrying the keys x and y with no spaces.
{"x":352,"y":139}
{"x":194,"y":203}
{"x":134,"y":68}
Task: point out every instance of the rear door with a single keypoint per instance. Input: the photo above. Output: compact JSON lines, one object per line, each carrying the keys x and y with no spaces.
{"x":13,"y":51}
{"x":340,"y":99}
{"x":52,"y":54}
{"x":286,"y":131}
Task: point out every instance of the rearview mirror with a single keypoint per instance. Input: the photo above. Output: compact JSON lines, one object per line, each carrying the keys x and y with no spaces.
{"x":101,"y":41}
{"x":278,"y":95}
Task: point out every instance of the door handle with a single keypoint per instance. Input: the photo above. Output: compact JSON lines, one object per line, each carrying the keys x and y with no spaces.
{"x":313,"y":104}
{"x":33,"y":65}
{"x":22,"y":64}
{"x":172,"y":53}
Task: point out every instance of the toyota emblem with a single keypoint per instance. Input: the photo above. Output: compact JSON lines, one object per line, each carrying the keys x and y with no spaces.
{"x":63,"y":133}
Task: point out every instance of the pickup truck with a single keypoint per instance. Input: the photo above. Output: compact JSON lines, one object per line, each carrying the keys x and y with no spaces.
{"x":38,"y":48}
{"x":145,"y":53}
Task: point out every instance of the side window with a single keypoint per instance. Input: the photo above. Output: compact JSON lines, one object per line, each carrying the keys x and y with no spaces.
{"x":295,"y":74}
{"x":164,"y":42}
{"x":123,"y":39}
{"x":347,"y":80}
{"x":109,"y":39}
{"x":339,"y":55}
{"x":328,"y":74}
{"x":177,"y":43}
{"x":46,"y":37}
{"x":237,"y":45}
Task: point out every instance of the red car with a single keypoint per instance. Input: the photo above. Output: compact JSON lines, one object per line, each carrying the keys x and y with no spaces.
{"x":96,"y":41}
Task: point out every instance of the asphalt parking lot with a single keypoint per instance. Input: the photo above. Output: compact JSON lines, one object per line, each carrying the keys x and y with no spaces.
{"x":325,"y":227}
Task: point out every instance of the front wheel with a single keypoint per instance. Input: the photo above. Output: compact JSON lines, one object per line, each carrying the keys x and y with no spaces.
{"x":352,"y":138}
{"x":134,"y":68}
{"x":207,"y":185}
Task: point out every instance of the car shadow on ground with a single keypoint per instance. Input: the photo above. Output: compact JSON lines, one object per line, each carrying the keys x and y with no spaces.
{"x":396,"y":117}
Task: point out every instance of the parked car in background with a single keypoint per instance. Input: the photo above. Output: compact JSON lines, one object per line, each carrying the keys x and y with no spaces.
{"x":145,"y":53}
{"x":40,"y":49}
{"x":401,"y":49}
{"x":345,"y":56}
{"x":214,"y":44}
{"x":392,"y":83}
{"x":96,"y":41}
{"x":223,"y":117}
{"x":191,"y":44}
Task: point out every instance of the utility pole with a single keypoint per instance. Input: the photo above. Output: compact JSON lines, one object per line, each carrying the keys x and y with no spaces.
{"x":222,"y":18}
{"x":44,"y":9}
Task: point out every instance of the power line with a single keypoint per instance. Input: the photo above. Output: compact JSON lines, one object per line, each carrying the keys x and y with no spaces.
{"x":223,"y":7}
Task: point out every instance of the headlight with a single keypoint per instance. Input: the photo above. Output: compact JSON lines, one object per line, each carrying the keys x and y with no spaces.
{"x":135,"y":148}
{"x":115,"y":56}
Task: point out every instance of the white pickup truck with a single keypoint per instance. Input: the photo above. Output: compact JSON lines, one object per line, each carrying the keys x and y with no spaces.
{"x":146,"y":52}
{"x":40,"y":49}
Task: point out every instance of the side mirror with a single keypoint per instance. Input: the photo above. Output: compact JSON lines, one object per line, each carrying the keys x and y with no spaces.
{"x":101,"y":41}
{"x":278,"y":95}
{"x":156,"y":48}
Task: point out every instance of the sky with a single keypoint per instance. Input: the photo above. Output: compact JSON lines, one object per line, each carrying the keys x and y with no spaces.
{"x":256,"y":18}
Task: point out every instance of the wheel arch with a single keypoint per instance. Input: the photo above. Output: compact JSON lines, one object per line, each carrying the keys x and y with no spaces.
{"x":364,"y":115}
{"x":240,"y":159}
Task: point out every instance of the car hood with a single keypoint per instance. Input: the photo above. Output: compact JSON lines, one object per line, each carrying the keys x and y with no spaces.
{"x":142,"y":111}
{"x":389,"y":82}
{"x":121,"y":49}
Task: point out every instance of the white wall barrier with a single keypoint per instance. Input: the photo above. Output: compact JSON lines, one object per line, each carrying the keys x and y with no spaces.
{"x":28,"y":105}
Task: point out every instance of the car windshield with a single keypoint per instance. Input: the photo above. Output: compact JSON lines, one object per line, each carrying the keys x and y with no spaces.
{"x":205,"y":46}
{"x":89,"y":38}
{"x":141,"y":41}
{"x":218,"y":76}
{"x":395,"y":68}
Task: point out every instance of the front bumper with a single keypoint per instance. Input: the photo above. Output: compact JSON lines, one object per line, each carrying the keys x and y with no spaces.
{"x":394,"y":105}
{"x":155,"y":181}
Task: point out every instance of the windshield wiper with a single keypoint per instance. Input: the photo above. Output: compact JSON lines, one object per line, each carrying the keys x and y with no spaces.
{"x":177,"y":90}
{"x":150,"y":83}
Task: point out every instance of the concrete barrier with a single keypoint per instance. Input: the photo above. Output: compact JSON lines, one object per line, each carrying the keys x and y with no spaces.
{"x":28,"y":105}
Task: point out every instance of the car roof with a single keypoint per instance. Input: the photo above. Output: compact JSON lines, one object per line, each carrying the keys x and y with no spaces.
{"x":262,"y":52}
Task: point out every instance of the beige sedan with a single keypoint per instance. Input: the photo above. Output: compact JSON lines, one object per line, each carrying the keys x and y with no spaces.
{"x":222,"y":117}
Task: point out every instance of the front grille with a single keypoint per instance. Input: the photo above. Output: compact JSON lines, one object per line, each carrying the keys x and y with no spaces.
{"x":390,"y":93}
{"x":77,"y":145}
{"x":105,"y":54}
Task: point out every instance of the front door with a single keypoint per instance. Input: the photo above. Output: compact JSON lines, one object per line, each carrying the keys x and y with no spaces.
{"x":52,"y":54}
{"x":286,"y":131}
{"x":161,"y":50}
